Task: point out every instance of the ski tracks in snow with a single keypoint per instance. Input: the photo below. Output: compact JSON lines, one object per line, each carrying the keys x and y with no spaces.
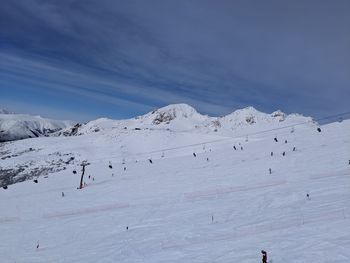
{"x":227,"y":190}
{"x":88,"y":210}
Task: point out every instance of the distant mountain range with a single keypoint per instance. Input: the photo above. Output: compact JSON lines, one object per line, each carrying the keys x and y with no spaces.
{"x":22,"y":126}
{"x":182,"y":117}
{"x":175,"y":117}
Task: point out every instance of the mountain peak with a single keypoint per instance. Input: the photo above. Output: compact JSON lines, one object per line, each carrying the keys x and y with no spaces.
{"x":173,"y":111}
{"x":180,"y":108}
{"x":3,"y":111}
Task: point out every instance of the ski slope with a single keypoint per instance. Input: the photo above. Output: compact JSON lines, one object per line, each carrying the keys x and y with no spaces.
{"x":220,"y":206}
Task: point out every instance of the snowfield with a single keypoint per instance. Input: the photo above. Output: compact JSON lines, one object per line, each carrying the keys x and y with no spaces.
{"x":168,"y":187}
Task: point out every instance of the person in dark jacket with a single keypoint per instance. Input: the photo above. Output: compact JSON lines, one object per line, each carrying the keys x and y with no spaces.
{"x":264,"y":256}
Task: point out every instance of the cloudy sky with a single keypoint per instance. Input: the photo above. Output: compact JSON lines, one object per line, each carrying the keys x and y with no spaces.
{"x":84,"y":59}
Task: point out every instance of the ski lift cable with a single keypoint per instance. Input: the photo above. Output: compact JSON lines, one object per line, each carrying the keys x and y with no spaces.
{"x":97,"y":160}
{"x":298,"y":124}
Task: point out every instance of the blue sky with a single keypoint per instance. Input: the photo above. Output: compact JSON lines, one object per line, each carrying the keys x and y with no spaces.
{"x":85,"y":59}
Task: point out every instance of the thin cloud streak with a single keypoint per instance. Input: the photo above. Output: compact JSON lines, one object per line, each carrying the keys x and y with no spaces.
{"x":217,"y":56}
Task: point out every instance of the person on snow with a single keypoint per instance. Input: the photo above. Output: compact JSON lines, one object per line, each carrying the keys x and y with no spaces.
{"x":264,"y":256}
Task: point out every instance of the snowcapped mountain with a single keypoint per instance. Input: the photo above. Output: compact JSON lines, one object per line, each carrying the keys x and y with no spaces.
{"x":167,"y":187}
{"x":22,"y":126}
{"x":182,"y":117}
{"x":3,"y":111}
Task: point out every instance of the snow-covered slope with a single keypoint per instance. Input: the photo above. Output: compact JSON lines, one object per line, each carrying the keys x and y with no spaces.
{"x":178,"y":193}
{"x":184,"y":118}
{"x":22,"y":126}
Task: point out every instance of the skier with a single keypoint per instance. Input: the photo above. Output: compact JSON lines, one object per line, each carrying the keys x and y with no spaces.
{"x":270,"y":170}
{"x":264,"y":256}
{"x":319,"y":129}
{"x":194,"y":154}
{"x":284,"y":153}
{"x":241,"y":148}
{"x":271,"y":153}
{"x":62,"y":194}
{"x":150,"y":160}
{"x":308,"y":196}
{"x":276,"y":139}
{"x":294,"y":149}
{"x":234,"y":147}
{"x":124,"y":168}
{"x":285,"y":141}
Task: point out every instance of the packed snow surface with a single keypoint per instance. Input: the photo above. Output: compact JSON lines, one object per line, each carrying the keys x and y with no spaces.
{"x":182,"y":192}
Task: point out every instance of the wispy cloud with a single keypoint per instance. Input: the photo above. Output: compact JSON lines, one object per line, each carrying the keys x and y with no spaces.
{"x":217,"y":56}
